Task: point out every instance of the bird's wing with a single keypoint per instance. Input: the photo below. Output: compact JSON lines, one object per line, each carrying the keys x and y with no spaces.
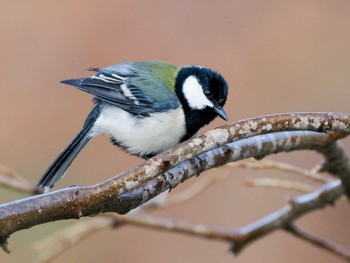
{"x":137,"y":88}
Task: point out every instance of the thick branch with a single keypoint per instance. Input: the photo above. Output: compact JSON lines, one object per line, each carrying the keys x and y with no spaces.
{"x":337,"y":163}
{"x":132,"y":188}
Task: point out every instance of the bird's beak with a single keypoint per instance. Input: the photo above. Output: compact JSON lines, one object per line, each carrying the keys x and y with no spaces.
{"x":221,"y":112}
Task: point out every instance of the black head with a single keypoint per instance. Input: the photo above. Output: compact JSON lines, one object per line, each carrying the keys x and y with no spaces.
{"x":202,"y":93}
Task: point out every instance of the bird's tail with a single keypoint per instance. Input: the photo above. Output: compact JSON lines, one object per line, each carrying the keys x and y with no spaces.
{"x":59,"y":167}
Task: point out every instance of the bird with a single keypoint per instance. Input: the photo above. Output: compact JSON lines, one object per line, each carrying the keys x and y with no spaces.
{"x":145,"y":108}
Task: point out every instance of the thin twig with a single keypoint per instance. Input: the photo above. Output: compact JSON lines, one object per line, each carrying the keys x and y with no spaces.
{"x":285,"y":167}
{"x":297,"y":207}
{"x":318,"y":241}
{"x":12,"y":180}
{"x":56,"y":244}
{"x":277,"y":183}
{"x":193,"y":190}
{"x":61,"y":241}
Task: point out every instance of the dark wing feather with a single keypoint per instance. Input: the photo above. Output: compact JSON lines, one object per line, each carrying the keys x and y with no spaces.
{"x":112,"y":93}
{"x":125,"y":89}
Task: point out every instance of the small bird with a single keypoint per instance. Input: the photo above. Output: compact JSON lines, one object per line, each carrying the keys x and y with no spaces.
{"x":145,"y":107}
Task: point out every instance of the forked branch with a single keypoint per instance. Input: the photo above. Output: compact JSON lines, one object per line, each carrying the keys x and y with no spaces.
{"x":256,"y":137}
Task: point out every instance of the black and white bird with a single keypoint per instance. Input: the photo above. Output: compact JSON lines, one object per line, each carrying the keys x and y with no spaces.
{"x":145,"y":107}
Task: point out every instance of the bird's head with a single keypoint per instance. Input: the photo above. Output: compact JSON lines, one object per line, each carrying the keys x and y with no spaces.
{"x":202,"y":89}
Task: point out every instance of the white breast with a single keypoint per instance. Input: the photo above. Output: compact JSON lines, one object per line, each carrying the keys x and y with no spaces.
{"x":142,"y":135}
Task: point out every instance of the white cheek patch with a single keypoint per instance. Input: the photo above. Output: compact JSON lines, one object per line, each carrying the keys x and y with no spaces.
{"x":194,"y":95}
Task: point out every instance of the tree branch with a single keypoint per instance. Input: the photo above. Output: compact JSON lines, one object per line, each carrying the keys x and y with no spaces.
{"x":337,"y":163}
{"x":286,"y":167}
{"x":286,"y":184}
{"x":239,"y":238}
{"x":286,"y":215}
{"x":130,"y":189}
{"x":12,"y":180}
{"x":320,"y":242}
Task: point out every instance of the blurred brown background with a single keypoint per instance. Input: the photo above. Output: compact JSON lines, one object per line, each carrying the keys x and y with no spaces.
{"x":278,"y":56}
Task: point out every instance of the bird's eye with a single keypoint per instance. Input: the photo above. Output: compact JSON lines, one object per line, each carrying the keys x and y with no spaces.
{"x":207,"y":93}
